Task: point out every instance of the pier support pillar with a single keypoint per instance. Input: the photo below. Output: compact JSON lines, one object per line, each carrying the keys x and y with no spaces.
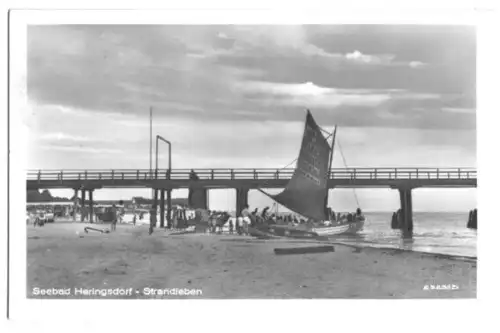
{"x":406,"y":216}
{"x":241,"y":200}
{"x":75,"y":203}
{"x":169,"y":208}
{"x":82,"y":209}
{"x":155,"y":200}
{"x":472,"y":222}
{"x":153,"y":212}
{"x":198,"y":198}
{"x":162,"y":208}
{"x":395,"y":221}
{"x":91,"y":206}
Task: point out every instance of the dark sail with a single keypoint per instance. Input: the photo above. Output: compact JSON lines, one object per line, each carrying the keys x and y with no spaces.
{"x":197,"y":198}
{"x":306,"y":191}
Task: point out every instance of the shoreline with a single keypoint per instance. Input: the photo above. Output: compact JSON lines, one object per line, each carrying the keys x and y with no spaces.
{"x":330,"y":241}
{"x":371,"y":247}
{"x":431,"y":254}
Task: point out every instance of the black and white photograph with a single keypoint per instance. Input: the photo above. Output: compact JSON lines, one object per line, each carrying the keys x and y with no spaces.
{"x":251,"y":161}
{"x":225,"y":159}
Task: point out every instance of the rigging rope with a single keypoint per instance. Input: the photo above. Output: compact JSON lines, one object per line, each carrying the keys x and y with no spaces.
{"x":295,"y":160}
{"x":345,"y":165}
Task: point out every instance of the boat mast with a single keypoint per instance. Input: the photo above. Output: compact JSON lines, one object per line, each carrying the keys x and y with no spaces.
{"x":330,"y":165}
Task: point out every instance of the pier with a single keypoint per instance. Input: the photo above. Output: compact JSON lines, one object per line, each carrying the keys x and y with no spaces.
{"x":163,"y":181}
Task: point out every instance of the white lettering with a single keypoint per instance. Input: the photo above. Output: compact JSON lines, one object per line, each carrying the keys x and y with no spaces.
{"x":441,"y":287}
{"x":171,"y":292}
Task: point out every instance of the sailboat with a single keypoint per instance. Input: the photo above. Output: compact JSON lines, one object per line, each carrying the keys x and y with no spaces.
{"x":306,"y":193}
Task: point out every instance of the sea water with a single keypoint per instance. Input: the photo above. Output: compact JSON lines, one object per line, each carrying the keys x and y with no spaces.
{"x":435,"y":232}
{"x":432,"y":232}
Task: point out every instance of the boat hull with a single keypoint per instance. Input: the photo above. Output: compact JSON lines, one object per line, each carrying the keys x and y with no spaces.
{"x":276,"y":230}
{"x":343,"y":229}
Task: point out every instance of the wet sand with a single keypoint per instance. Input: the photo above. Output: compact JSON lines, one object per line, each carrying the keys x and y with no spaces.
{"x":233,"y":266}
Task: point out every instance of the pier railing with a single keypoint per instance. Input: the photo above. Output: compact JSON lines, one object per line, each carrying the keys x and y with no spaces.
{"x":245,"y":174}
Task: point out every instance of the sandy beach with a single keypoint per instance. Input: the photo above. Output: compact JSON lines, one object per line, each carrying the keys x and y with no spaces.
{"x":62,"y":255}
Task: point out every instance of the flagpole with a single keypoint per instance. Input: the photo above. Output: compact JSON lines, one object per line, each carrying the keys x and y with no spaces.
{"x":151,"y":148}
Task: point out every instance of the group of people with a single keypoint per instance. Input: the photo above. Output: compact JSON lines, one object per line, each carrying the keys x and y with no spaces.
{"x":239,"y":225}
{"x":349,"y":217}
{"x":247,"y":219}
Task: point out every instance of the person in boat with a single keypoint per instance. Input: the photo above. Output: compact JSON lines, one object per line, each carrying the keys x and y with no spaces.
{"x":358,"y":212}
{"x":258,"y":219}
{"x":253,"y":218}
{"x":350,"y":217}
{"x":264,"y":213}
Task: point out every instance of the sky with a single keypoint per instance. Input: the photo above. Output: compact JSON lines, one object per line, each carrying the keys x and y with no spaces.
{"x":235,"y":96}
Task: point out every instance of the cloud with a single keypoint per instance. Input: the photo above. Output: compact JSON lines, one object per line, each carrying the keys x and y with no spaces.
{"x":59,"y":136}
{"x":359,"y":57}
{"x":120,"y":71}
{"x":385,"y":59}
{"x":416,"y":64}
{"x":79,"y":149}
{"x":311,"y":95}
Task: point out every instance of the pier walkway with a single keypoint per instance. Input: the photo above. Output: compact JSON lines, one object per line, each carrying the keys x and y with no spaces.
{"x":247,"y":178}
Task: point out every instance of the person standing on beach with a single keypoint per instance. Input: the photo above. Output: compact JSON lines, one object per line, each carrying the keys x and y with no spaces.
{"x":245,"y":214}
{"x":175,"y":216}
{"x":238,"y":225}
{"x":152,"y":219}
{"x":114,"y":217}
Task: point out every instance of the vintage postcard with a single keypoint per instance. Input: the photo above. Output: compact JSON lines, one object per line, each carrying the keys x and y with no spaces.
{"x":213,"y":159}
